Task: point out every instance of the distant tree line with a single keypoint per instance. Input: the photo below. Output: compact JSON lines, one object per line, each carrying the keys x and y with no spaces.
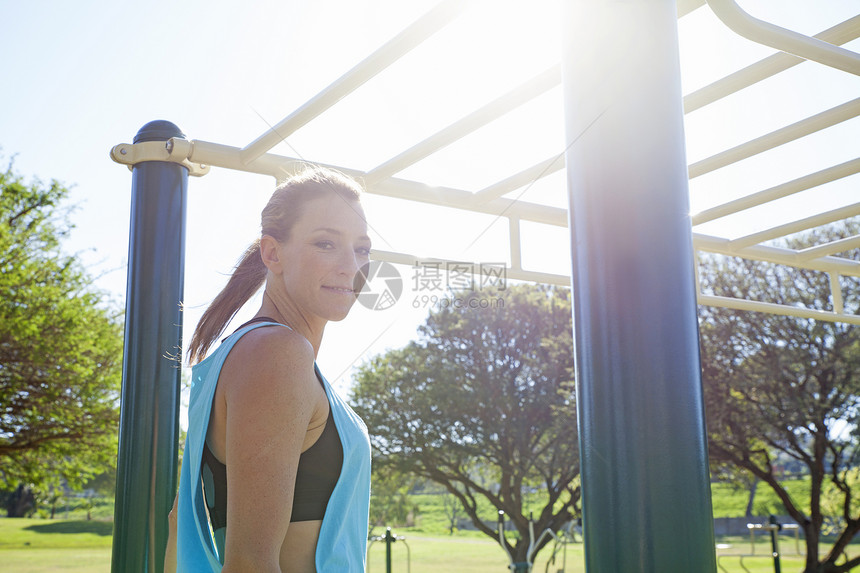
{"x":482,"y":402}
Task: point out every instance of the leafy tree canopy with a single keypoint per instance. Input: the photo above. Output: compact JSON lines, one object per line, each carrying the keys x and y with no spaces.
{"x":787,"y":388}
{"x":483,"y":404}
{"x":60,"y":347}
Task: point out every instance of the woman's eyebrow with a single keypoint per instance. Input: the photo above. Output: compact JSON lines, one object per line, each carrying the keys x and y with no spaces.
{"x":338,"y":232}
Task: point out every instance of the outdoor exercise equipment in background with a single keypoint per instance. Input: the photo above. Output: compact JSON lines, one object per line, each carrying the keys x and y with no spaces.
{"x":772,"y":527}
{"x":389,"y":538}
{"x":562,"y":538}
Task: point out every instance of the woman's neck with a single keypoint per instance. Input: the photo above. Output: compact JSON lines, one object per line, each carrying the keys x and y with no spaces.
{"x":286,"y":313}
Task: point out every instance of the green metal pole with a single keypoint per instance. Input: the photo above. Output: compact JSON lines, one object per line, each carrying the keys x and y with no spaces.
{"x":149,"y":418}
{"x":774,"y":543}
{"x":644,"y":463}
{"x":389,"y":539}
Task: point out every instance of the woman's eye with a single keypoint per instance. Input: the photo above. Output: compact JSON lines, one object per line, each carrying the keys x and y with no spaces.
{"x":325,"y":245}
{"x":363,"y":251}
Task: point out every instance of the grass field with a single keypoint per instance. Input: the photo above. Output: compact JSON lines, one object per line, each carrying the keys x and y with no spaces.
{"x":75,"y":545}
{"x":42,"y":546}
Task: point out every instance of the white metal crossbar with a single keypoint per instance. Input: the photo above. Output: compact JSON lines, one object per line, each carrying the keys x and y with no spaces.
{"x":383,"y":179}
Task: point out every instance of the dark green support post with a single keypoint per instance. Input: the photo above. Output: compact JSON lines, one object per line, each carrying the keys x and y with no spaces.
{"x":149,"y":419}
{"x":644,"y":463}
{"x":389,"y":539}
{"x":775,"y":527}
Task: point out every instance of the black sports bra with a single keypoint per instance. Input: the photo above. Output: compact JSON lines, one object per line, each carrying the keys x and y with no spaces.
{"x":317,"y":473}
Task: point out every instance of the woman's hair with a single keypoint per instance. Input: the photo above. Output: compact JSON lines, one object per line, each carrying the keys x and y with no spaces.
{"x":283,"y":210}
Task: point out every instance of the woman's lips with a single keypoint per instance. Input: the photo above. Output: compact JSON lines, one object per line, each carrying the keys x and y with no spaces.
{"x":340,"y":290}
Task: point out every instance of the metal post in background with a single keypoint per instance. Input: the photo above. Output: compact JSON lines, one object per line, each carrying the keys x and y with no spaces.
{"x":389,"y":539}
{"x":774,"y":543}
{"x":646,"y":490}
{"x":149,"y":419}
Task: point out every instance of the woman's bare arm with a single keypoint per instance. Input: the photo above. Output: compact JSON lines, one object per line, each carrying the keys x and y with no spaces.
{"x":170,"y":553}
{"x":271,"y":392}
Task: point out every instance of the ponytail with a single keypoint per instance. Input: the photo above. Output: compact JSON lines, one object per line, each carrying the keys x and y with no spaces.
{"x":246,"y":280}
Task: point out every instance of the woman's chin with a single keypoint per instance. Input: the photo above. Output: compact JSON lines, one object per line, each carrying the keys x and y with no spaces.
{"x":338,"y":314}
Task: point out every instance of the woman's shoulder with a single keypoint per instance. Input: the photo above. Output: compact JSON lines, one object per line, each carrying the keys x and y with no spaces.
{"x":274,"y":338}
{"x":270,"y":355}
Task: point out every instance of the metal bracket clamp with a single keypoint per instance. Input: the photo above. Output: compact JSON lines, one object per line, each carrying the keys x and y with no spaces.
{"x":174,"y":150}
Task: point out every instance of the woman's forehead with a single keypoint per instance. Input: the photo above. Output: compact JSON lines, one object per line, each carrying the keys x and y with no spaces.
{"x":334,"y":215}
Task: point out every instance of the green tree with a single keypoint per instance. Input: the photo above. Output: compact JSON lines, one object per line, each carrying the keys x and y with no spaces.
{"x":60,"y":347}
{"x":390,"y":502}
{"x":787,"y":387}
{"x":482,"y":404}
{"x":452,"y":512}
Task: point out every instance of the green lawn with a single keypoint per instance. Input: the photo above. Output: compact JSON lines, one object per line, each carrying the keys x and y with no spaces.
{"x":80,"y":546}
{"x":729,"y":501}
{"x":54,"y":534}
{"x":42,"y":546}
{"x":67,"y":560}
{"x":455,"y":554}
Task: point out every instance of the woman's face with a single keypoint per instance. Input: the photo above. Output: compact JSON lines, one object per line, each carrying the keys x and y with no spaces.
{"x":326,"y":248}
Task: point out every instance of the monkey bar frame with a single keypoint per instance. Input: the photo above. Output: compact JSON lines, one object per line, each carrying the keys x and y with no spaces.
{"x":138,"y":528}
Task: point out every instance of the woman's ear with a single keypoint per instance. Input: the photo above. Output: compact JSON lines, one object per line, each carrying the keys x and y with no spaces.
{"x":270,"y":252}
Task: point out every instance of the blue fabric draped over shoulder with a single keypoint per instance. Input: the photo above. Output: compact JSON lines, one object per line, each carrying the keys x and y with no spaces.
{"x":342,"y":543}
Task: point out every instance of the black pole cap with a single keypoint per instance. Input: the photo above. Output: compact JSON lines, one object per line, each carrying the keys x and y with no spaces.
{"x":158,"y":130}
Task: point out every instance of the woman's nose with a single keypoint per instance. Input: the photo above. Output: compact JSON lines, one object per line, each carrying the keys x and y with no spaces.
{"x":350,"y":264}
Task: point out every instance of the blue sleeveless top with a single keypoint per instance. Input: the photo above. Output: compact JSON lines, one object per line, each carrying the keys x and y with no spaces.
{"x":342,"y":543}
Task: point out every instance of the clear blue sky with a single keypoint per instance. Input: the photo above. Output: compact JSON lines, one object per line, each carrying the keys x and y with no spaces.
{"x":84,"y":76}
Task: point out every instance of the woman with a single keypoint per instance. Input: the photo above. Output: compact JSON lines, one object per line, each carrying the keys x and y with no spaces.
{"x":262,"y":419}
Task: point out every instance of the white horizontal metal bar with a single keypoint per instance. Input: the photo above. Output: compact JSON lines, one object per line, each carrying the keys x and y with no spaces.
{"x":817,"y":122}
{"x":786,"y":40}
{"x":219,"y":155}
{"x":796,"y":226}
{"x":780,"y":309}
{"x":710,"y":300}
{"x":783,"y":190}
{"x":415,"y":191}
{"x":411,"y":36}
{"x":279,"y":166}
{"x":830,"y":248}
{"x":534,"y":87}
{"x":228,"y":157}
{"x":839,"y":34}
{"x":515,"y":274}
{"x":521,"y":179}
{"x":777,"y":255}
